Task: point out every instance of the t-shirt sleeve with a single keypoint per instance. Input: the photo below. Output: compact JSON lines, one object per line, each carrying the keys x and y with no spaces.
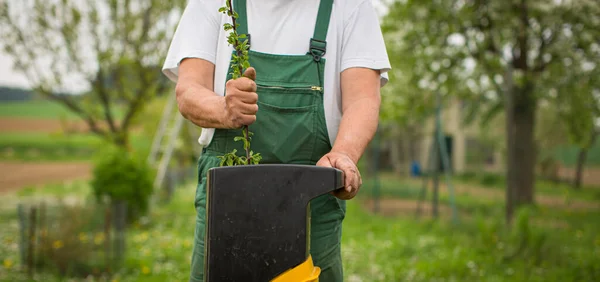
{"x":196,"y":36}
{"x":363,"y":43}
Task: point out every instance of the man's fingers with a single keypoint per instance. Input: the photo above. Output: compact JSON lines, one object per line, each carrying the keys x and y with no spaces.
{"x":242,"y":120}
{"x":250,"y":73}
{"x":245,"y":84}
{"x":343,"y":195}
{"x":324,"y":162}
{"x":249,"y":97}
{"x":248,"y":109}
{"x":351,"y":178}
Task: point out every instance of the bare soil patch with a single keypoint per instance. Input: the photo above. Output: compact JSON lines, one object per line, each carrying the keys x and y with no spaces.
{"x":40,"y":125}
{"x":52,"y":125}
{"x":551,"y":201}
{"x":16,"y":175}
{"x":395,"y":207}
{"x":591,"y":175}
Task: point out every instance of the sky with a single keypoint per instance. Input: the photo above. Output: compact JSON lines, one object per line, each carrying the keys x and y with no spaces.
{"x":9,"y":77}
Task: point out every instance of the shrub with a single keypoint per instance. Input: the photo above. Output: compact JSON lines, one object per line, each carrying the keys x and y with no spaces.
{"x":467,"y":176}
{"x":491,"y":179}
{"x":120,"y":176}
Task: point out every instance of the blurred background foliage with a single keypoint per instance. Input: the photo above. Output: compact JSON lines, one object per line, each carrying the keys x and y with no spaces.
{"x":516,"y":84}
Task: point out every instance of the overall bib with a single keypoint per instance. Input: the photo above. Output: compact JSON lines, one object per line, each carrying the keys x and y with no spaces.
{"x":289,"y":129}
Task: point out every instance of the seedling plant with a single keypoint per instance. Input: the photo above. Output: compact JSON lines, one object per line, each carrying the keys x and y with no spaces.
{"x":239,"y":63}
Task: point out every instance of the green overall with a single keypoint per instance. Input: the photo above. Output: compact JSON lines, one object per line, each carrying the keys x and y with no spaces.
{"x":289,"y":129}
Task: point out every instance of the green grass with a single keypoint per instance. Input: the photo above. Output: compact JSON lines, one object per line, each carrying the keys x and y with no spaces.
{"x":403,"y":249}
{"x":41,"y":109}
{"x":54,"y":147}
{"x":375,"y":248}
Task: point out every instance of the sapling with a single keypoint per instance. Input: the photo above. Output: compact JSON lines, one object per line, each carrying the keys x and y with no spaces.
{"x":239,"y":62}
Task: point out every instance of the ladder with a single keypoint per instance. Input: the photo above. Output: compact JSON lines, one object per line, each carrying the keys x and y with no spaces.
{"x":165,"y":140}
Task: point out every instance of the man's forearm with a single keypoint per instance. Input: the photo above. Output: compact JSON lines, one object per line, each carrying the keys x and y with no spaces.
{"x":201,"y":106}
{"x":357,"y":128}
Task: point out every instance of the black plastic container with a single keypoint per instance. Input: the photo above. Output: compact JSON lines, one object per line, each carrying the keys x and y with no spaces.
{"x":258,"y":220}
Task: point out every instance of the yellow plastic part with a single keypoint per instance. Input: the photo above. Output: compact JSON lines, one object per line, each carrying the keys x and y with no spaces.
{"x":305,"y":272}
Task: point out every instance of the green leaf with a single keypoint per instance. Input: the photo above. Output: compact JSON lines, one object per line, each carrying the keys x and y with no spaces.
{"x":222,"y":9}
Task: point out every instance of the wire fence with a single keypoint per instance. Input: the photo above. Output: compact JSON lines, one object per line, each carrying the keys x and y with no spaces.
{"x":76,"y":240}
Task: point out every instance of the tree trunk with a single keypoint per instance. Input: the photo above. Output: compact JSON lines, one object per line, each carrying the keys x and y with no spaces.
{"x":510,"y":146}
{"x":525,"y":105}
{"x":121,"y":140}
{"x":581,"y":159}
{"x":396,"y":152}
{"x":436,"y":179}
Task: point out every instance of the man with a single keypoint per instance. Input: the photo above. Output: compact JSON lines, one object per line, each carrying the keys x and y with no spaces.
{"x":311,"y":96}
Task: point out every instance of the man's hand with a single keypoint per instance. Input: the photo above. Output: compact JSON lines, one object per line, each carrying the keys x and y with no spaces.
{"x":198,"y":102}
{"x":352,"y":178}
{"x":241,"y":100}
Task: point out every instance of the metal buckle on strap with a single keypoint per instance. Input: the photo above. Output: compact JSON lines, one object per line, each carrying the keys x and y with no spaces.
{"x":317,"y":49}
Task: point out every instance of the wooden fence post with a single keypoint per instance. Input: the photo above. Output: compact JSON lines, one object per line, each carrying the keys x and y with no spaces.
{"x":31,"y":249}
{"x":107,"y":223}
{"x":22,"y":234}
{"x":42,"y":226}
{"x":120,"y":222}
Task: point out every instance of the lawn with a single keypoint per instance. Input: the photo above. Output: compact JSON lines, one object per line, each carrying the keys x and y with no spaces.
{"x":39,"y":109}
{"x":56,"y":147}
{"x":546,"y":244}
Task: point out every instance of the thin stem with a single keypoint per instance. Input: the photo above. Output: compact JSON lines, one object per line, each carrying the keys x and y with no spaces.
{"x":239,"y":54}
{"x":247,"y":148}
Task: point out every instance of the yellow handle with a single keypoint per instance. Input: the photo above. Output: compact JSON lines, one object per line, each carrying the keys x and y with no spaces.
{"x":305,"y":272}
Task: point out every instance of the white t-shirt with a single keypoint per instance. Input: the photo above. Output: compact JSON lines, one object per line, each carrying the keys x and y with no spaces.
{"x":354,"y":39}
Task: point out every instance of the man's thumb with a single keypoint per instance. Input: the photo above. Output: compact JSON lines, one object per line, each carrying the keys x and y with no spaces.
{"x":250,"y":73}
{"x":324,"y":162}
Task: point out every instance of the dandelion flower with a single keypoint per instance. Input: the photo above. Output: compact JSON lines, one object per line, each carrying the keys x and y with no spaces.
{"x":99,"y":238}
{"x":57,"y":244}
{"x":145,"y":270}
{"x":8,"y":263}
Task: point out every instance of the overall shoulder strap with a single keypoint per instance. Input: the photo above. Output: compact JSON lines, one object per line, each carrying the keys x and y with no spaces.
{"x":318,"y":44}
{"x":239,"y":6}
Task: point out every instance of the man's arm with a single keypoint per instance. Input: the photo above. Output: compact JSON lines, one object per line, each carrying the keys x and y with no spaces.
{"x":198,"y":102}
{"x":360,"y":116}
